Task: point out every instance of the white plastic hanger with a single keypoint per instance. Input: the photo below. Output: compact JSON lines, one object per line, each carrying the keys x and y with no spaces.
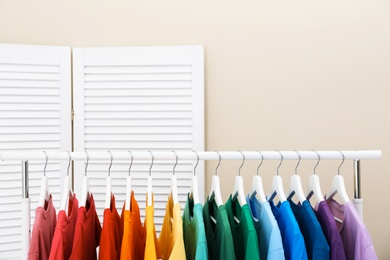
{"x":338,"y":186}
{"x":68,"y":191}
{"x":174,"y":194}
{"x":238,"y":190}
{"x":194,"y":184}
{"x":296,"y":184}
{"x":215,"y":192}
{"x":85,"y":187}
{"x":129,"y":186}
{"x":257,"y":184}
{"x":277,"y":185}
{"x":108,"y":185}
{"x":44,"y":195}
{"x":314,"y":184}
{"x":150,"y":194}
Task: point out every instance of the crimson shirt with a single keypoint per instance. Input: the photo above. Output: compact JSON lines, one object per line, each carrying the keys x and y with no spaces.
{"x":87,"y":232}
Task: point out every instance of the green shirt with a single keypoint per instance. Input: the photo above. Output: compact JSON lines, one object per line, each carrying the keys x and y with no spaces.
{"x":243,"y":231}
{"x":193,"y":231}
{"x":219,"y":237}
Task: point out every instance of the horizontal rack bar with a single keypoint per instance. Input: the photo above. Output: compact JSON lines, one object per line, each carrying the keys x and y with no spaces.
{"x":188,"y":155}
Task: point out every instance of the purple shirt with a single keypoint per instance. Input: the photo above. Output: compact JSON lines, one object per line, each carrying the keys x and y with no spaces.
{"x":332,"y":235}
{"x":357,"y":241}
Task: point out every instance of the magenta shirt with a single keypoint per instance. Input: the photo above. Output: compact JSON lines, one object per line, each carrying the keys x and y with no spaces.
{"x":356,"y":239}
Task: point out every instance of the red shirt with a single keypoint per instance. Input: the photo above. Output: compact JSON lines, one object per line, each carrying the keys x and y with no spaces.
{"x":61,"y":247}
{"x":43,"y":231}
{"x":87,"y":232}
{"x":111,"y":237}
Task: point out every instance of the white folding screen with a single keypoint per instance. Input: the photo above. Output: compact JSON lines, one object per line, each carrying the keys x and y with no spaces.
{"x":35,"y":115}
{"x":139,"y":99}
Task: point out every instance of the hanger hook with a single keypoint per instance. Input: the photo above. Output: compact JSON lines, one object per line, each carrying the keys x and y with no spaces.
{"x":131,"y":161}
{"x":261,"y":163}
{"x":318,"y":162}
{"x":197,"y":161}
{"x":44,"y":169}
{"x":70,"y":159}
{"x":151,"y":165}
{"x":174,"y":167}
{"x":109,"y":167}
{"x":342,"y":162}
{"x":243,"y":161}
{"x":219,"y":162}
{"x":299,"y":161}
{"x":281,"y":160}
{"x":86,"y":164}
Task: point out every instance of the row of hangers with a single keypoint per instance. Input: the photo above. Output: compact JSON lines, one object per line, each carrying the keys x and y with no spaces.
{"x":68,"y":190}
{"x":295,"y":188}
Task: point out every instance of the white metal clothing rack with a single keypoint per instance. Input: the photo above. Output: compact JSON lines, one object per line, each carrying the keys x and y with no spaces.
{"x":207,"y":155}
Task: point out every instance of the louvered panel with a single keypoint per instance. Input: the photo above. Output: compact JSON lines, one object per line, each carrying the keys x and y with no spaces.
{"x":139,"y":99}
{"x":139,"y":129}
{"x":138,"y":69}
{"x":135,"y":122}
{"x":32,"y":84}
{"x":34,"y":116}
{"x":139,"y":85}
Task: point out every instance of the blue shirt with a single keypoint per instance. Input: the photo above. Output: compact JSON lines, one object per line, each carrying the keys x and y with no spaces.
{"x":316,"y":245}
{"x":293,"y":243}
{"x":268,"y":233}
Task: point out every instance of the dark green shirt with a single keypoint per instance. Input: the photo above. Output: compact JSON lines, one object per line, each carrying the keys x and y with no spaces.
{"x":219,"y":237}
{"x":243,"y":231}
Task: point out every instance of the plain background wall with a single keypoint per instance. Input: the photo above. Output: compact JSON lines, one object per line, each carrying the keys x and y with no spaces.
{"x":279,"y":76}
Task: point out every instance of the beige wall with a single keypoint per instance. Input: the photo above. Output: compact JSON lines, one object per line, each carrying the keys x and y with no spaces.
{"x":279,"y":75}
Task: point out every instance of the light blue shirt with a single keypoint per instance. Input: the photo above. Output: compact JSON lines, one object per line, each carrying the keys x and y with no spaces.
{"x":268,"y":233}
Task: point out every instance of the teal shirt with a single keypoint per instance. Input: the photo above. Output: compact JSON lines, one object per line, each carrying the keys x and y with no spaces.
{"x":219,"y":237}
{"x":194,"y":233}
{"x":244,"y":234}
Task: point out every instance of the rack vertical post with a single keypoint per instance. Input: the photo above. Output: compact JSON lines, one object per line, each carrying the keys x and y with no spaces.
{"x":25,"y":211}
{"x":357,"y":196}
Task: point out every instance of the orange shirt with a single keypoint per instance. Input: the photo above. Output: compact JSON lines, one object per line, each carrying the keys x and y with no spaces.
{"x":171,"y":240}
{"x":111,"y":236}
{"x":152,"y":251}
{"x":133,"y":240}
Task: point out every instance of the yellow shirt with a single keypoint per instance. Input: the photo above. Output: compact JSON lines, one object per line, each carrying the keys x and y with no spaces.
{"x":152,"y":251}
{"x":171,"y":237}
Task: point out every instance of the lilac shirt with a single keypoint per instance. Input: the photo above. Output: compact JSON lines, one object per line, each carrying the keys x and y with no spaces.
{"x":357,"y":241}
{"x":332,"y":235}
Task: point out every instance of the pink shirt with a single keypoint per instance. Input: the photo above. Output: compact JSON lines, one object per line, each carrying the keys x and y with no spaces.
{"x":43,"y":231}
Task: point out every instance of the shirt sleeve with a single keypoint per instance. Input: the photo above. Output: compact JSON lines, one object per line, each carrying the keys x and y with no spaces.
{"x":201,"y":252}
{"x":252,"y":247}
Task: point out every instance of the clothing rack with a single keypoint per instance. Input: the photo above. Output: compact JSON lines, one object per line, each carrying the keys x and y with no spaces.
{"x":181,"y":155}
